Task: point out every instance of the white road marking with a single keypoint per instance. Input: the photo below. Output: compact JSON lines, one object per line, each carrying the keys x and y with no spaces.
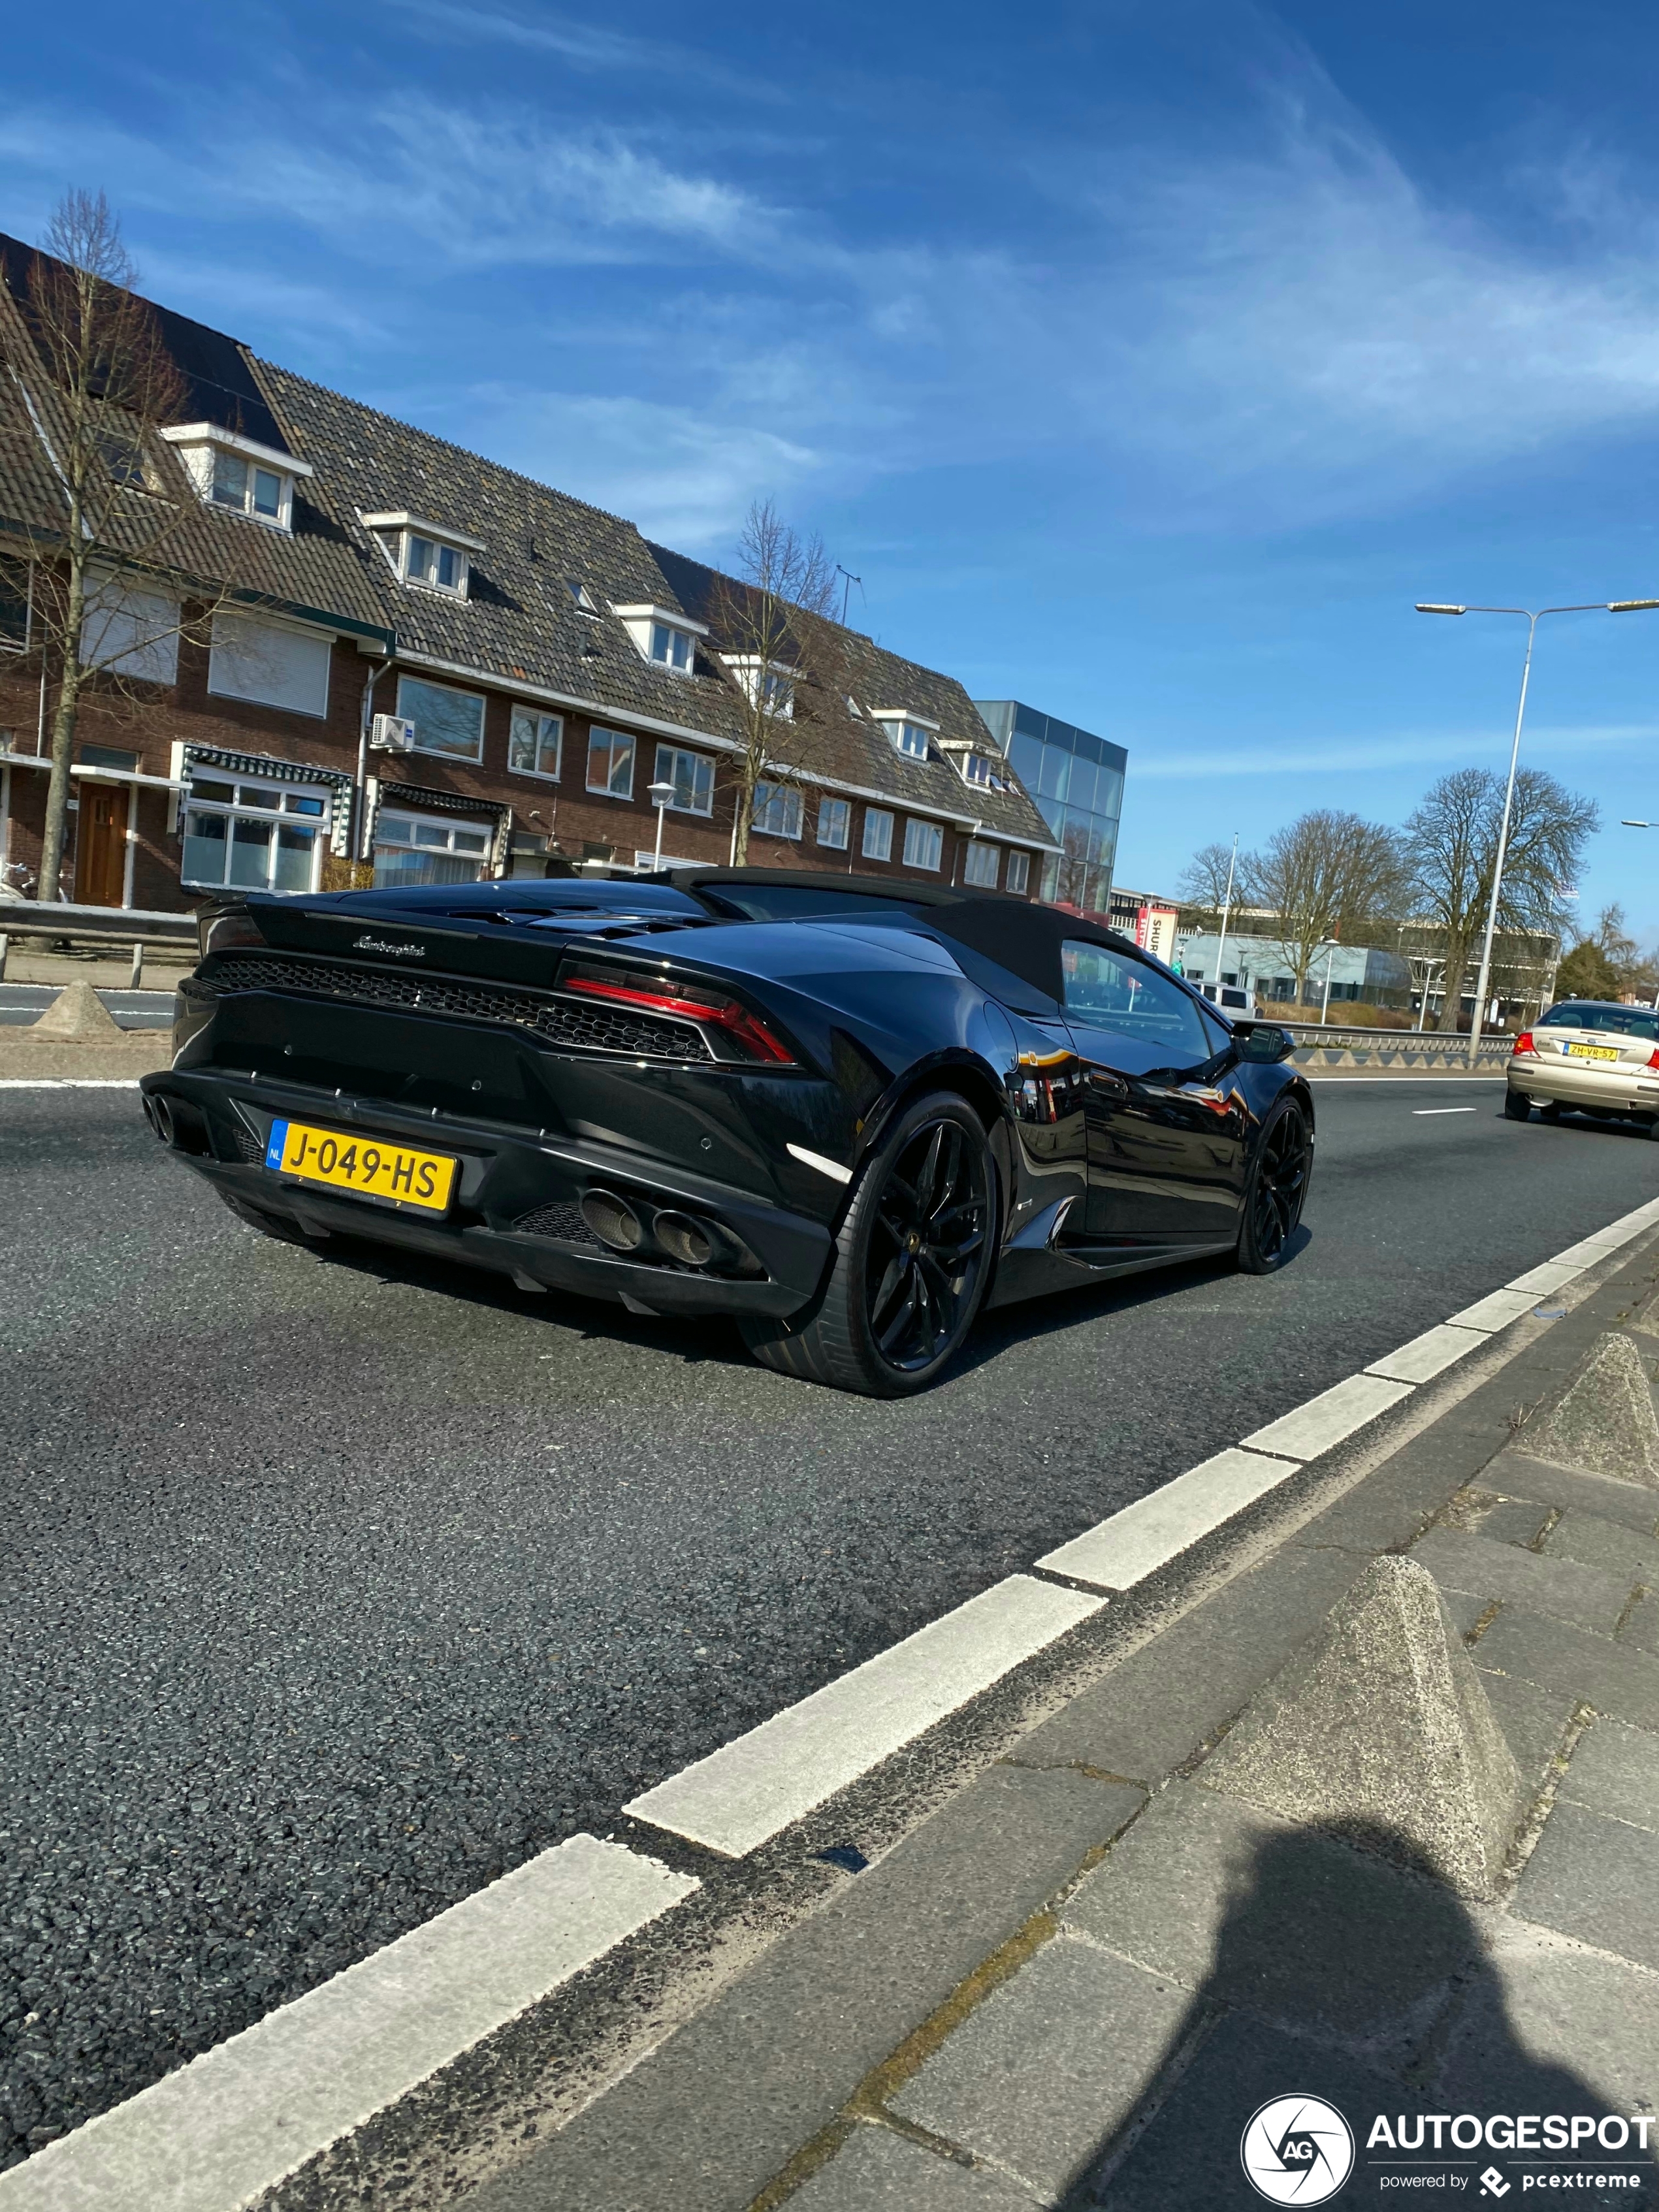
{"x":225,"y":2129}
{"x":69,"y":1083}
{"x":1127,"y":1546}
{"x":833,"y":1168}
{"x":760,"y":1783}
{"x":1424,"y":1113}
{"x":1430,"y":1354}
{"x":1553,"y":1275}
{"x":1495,"y":1311}
{"x":1313,"y":1427}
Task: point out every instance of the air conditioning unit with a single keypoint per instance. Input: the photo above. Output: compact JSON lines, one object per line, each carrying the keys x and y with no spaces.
{"x":392,"y":734}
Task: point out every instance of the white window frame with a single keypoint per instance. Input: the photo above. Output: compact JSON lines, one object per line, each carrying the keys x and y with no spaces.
{"x":202,"y":446}
{"x":910,"y":736}
{"x":981,"y":865}
{"x":396,"y":535}
{"x":878,"y":846}
{"x":612,"y":737}
{"x":701,"y":778}
{"x":920,"y":832}
{"x":643,"y":621}
{"x":447,"y":825}
{"x":794,"y":811}
{"x":454,"y":692}
{"x":1018,"y":876}
{"x":288,"y":799}
{"x":838,"y":813}
{"x":540,"y":726}
{"x":769,"y":684}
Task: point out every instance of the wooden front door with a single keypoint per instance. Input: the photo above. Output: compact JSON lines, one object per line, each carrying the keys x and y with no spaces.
{"x":101,"y":848}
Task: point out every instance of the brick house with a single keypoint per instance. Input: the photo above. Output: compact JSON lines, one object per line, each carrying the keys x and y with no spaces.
{"x":538,"y":663}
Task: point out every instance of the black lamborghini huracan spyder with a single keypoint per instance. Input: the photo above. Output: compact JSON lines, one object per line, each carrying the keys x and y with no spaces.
{"x":848,"y":1112}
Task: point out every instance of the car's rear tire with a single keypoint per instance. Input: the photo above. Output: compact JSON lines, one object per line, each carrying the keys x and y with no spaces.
{"x":1517,"y":1106}
{"x":911,"y":1263}
{"x":1276,"y":1191}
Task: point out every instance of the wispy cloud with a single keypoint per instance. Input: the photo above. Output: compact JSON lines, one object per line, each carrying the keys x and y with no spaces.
{"x":1269,"y":328}
{"x":1366,"y":753}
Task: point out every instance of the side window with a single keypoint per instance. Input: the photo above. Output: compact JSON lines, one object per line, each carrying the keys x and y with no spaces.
{"x":1110,"y":992}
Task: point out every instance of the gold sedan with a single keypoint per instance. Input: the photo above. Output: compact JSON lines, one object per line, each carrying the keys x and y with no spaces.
{"x":1589,"y":1056}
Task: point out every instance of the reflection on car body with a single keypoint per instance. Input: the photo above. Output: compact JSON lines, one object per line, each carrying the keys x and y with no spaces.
{"x":847,"y":1113}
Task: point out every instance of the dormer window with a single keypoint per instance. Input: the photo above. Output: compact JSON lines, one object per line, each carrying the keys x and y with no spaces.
{"x":907,"y":733}
{"x":770,"y":684}
{"x":663,"y":634}
{"x":238,"y":473}
{"x":982,"y":771}
{"x":428,"y":554}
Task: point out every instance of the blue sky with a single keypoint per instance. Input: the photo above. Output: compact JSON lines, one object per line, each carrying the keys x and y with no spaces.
{"x":1147,"y":362}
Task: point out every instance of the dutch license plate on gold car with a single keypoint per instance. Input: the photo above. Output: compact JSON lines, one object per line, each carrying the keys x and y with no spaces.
{"x":1592,"y":1052}
{"x":369,"y":1166}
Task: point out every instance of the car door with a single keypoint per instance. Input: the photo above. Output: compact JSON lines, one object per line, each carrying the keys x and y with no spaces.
{"x":1166,"y":1123}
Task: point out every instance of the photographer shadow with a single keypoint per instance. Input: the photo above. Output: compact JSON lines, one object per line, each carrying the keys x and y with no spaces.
{"x":1345,"y":1971}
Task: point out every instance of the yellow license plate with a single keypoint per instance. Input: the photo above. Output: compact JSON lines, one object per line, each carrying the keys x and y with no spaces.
{"x":1592,"y":1052}
{"x":369,"y":1166}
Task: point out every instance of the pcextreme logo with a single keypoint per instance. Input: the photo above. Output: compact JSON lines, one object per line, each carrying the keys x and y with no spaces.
{"x":1296,"y":2150}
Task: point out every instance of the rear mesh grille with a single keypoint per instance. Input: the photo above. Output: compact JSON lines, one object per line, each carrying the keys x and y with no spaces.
{"x":249,"y":1147}
{"x":564,"y":1222}
{"x":576,"y":1025}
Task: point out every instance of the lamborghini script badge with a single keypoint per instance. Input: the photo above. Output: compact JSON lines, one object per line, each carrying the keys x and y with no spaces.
{"x":396,"y":951}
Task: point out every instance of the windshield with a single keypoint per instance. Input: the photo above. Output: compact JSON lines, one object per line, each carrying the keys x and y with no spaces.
{"x":1622,"y":1021}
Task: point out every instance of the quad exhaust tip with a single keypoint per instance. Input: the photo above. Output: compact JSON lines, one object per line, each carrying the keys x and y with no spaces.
{"x":683,"y":1237}
{"x":612,"y":1220}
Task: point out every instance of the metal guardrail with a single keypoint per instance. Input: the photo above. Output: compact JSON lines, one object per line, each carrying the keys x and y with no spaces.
{"x":134,"y":928}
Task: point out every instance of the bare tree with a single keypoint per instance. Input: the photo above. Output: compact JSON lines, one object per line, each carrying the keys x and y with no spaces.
{"x":1203,"y":884}
{"x":773,"y":627}
{"x":107,"y":383}
{"x":1329,"y":876}
{"x":1451,"y":844}
{"x":1608,"y":964}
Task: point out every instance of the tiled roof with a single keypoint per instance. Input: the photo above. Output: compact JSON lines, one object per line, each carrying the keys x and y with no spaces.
{"x":520,"y":622}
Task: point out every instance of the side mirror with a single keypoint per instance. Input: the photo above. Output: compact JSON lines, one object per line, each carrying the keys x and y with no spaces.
{"x":1266,"y":1042}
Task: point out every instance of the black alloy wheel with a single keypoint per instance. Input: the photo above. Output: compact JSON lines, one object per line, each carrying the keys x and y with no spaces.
{"x":1276,"y":1190}
{"x":911,"y":1263}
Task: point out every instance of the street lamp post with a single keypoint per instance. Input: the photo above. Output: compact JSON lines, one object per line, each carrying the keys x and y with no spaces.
{"x":1532,"y":621}
{"x":1325,"y":1010}
{"x":660,"y":794}
{"x":1628,"y":821}
{"x":1226,"y":916}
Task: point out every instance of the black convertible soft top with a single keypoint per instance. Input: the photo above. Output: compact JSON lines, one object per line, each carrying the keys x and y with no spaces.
{"x":1023,"y":938}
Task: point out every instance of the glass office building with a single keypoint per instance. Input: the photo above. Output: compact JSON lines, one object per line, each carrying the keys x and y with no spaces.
{"x":1077,"y":779}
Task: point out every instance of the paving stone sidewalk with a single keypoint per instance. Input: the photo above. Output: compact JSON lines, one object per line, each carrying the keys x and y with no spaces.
{"x":1075,"y":1985}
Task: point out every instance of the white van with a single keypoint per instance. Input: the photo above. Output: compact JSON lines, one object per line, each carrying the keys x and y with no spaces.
{"x":1231,"y":998}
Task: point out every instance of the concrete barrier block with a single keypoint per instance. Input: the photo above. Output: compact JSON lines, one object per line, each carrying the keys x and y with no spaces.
{"x":1382,"y":1723}
{"x":78,"y":1013}
{"x":1604,"y":1422}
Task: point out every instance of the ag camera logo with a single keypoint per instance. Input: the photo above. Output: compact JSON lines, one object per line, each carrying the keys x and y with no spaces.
{"x":1296,"y":2150}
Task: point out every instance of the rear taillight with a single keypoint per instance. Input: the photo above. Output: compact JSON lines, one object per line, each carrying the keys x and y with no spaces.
{"x":1653,"y":1061}
{"x":745,"y":1029}
{"x":1523,"y":1043}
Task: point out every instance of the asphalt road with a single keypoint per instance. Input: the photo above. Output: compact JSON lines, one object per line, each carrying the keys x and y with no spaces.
{"x":334,"y":1588}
